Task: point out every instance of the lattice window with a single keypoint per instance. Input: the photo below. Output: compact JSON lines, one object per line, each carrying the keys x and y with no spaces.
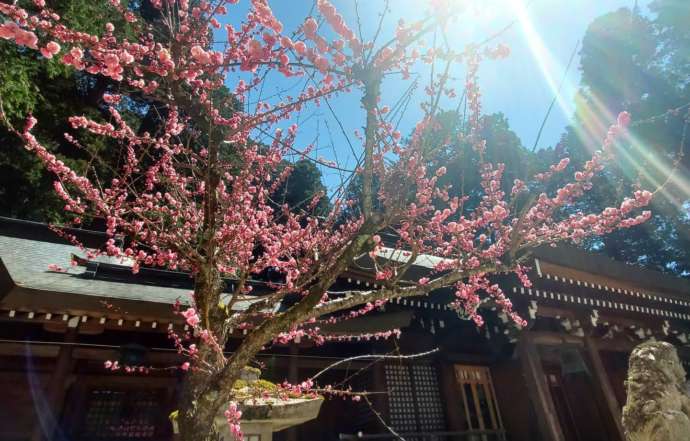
{"x":430,"y":408}
{"x":401,"y":400}
{"x":414,"y":398}
{"x":478,"y":398}
{"x":121,"y":415}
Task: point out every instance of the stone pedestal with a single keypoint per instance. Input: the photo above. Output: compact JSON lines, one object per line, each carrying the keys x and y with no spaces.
{"x":262,"y":417}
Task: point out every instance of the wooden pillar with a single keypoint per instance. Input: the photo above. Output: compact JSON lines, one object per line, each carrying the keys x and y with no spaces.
{"x":538,"y":390}
{"x":380,"y":400}
{"x":293,"y":377}
{"x":51,"y":406}
{"x":450,"y":392}
{"x":602,"y":380}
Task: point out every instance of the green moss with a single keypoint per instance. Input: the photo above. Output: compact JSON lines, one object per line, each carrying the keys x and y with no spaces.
{"x":248,"y":389}
{"x":240,"y":384}
{"x":265,"y":385}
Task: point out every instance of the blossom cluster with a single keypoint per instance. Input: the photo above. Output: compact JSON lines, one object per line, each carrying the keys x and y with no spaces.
{"x":233,"y":415}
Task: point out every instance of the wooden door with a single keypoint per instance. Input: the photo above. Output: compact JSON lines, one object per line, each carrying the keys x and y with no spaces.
{"x":579,"y":409}
{"x":478,"y":400}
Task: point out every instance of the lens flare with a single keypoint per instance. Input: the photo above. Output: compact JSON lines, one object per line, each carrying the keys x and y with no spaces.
{"x":541,"y":54}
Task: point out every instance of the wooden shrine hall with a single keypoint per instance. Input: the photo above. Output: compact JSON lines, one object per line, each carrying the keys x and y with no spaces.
{"x":559,"y":379}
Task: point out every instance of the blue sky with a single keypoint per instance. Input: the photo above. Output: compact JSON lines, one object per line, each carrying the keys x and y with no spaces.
{"x":521,"y":86}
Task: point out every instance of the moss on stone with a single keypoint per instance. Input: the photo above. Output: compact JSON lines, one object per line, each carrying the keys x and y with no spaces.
{"x":250,"y":387}
{"x":239,"y":384}
{"x":266,"y":385}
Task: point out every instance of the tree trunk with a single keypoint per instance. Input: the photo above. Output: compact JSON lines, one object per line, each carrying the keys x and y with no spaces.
{"x":197,"y":404}
{"x":657,"y":407}
{"x":196,"y":409}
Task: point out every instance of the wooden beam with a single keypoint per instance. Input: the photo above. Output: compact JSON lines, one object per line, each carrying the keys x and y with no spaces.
{"x":36,"y":350}
{"x":160,"y":357}
{"x":560,"y":311}
{"x":619,"y":343}
{"x":553,"y":338}
{"x":602,"y":381}
{"x":126,"y":381}
{"x":538,"y":390}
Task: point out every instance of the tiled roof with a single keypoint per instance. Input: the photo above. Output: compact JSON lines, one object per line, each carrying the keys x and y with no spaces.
{"x":31,"y":282}
{"x":27,"y":264}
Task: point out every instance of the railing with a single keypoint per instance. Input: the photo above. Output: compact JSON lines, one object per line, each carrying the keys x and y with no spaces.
{"x":465,"y":435}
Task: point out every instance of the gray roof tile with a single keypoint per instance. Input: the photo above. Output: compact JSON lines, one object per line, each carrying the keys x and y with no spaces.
{"x":27,"y":263}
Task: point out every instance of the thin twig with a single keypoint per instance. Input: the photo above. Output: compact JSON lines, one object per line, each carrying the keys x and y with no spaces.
{"x":375,"y":356}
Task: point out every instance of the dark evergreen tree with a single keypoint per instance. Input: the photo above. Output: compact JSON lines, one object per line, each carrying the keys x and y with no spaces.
{"x":639,"y":63}
{"x":52,"y":92}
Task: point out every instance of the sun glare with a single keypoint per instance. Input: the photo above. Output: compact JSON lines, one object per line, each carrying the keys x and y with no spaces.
{"x":549,"y":67}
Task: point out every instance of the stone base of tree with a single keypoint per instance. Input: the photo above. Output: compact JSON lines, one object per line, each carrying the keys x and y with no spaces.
{"x":262,"y":417}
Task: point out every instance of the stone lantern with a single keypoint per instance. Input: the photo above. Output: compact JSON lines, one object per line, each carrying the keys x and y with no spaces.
{"x":263,"y":416}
